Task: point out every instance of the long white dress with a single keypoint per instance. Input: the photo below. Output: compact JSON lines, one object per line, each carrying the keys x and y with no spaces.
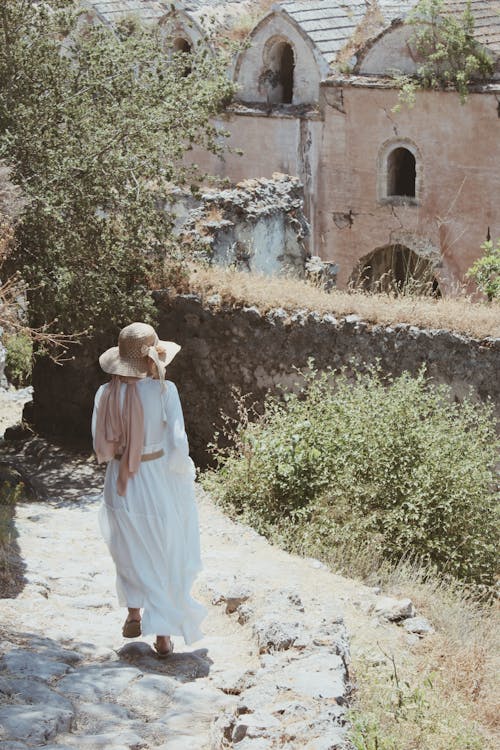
{"x":152,"y":532}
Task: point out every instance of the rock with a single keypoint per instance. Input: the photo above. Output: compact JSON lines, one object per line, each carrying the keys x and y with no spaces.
{"x":334,"y":739}
{"x":259,"y":743}
{"x":318,"y":675}
{"x":133,"y":652}
{"x":13,"y":746}
{"x":275,"y":635}
{"x":236,"y":596}
{"x":394,"y":609}
{"x":253,"y":725}
{"x":122,"y":740}
{"x":153,"y":693}
{"x":245,"y":613}
{"x":97,"y":682}
{"x":418,"y":625}
{"x":98,"y":717}
{"x":33,"y":723}
{"x":234,"y":681}
{"x":33,"y":692}
{"x":30,"y":664}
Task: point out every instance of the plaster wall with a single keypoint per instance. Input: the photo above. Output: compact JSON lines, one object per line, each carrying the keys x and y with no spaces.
{"x":270,"y":143}
{"x":458,"y":153}
{"x":257,"y":59}
{"x":390,"y":52}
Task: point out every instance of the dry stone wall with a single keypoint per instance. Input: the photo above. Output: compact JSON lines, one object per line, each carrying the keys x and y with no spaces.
{"x":224,"y":348}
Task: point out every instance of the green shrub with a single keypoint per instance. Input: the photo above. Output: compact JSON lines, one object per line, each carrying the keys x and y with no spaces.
{"x":396,"y":468}
{"x":19,"y":359}
{"x":486,"y":270}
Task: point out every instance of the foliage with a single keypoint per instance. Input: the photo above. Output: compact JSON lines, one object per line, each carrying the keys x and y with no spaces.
{"x":395,"y":467}
{"x":486,"y":270}
{"x":93,"y":125}
{"x":449,"y":53}
{"x":18,"y":360}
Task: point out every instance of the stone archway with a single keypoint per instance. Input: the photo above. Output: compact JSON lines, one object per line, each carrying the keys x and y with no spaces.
{"x":396,"y":269}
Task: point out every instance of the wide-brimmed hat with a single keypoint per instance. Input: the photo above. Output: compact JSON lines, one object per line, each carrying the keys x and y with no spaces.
{"x":137,"y":344}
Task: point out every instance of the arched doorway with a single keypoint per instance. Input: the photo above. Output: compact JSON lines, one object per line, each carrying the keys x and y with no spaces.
{"x":398,"y":270}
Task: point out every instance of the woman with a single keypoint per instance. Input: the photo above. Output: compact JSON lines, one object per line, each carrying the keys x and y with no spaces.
{"x":148,"y":516}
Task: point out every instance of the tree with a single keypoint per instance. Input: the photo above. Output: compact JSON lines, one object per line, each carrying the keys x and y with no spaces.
{"x":94,"y":125}
{"x":449,"y":53}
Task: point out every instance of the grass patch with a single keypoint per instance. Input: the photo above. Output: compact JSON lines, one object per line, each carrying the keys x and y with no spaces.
{"x":237,"y":288}
{"x":445,"y":693}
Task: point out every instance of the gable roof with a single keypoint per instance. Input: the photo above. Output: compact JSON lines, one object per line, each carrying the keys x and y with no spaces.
{"x":486,"y":17}
{"x":331,"y":24}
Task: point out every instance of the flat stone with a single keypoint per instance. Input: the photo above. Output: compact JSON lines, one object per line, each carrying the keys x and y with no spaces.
{"x":195,"y":742}
{"x":334,"y":739}
{"x":104,"y":741}
{"x":316,"y":676}
{"x":13,"y":745}
{"x":150,"y":694}
{"x":33,"y":723}
{"x":96,"y":682}
{"x":33,"y":692}
{"x":418,"y":625}
{"x":394,"y":609}
{"x":234,"y":681}
{"x":275,"y":635}
{"x":99,"y":717}
{"x":259,"y":743}
{"x":30,"y":664}
{"x":254,"y":725}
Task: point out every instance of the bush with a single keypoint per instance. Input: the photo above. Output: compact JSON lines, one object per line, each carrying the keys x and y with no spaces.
{"x":486,"y":270}
{"x":19,"y":359}
{"x":394,"y":467}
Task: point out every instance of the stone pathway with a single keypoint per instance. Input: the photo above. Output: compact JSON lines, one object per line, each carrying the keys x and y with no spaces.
{"x":271,"y":672}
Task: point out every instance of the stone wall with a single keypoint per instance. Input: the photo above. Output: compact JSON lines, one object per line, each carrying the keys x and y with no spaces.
{"x":222,"y":348}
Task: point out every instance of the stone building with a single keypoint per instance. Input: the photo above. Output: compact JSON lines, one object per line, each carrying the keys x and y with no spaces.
{"x":414,"y":191}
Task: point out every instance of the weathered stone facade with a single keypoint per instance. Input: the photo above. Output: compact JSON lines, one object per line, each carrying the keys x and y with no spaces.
{"x":316,"y":100}
{"x":242,"y":348}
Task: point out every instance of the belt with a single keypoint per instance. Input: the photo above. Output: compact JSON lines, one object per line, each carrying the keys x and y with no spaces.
{"x":145,"y":456}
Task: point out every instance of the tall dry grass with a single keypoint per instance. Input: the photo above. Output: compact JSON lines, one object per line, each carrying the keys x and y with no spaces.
{"x":465,"y":650}
{"x":477,"y":319}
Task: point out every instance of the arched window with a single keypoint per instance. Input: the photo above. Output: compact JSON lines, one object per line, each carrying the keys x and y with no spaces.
{"x":286,"y":68}
{"x":277,"y":78}
{"x":401,"y":173}
{"x":182,"y":45}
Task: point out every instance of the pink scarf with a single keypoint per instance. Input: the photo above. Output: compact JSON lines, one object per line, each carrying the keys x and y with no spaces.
{"x":120,"y":430}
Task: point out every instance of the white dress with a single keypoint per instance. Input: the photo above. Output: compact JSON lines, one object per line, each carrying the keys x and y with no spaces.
{"x":152,"y":532}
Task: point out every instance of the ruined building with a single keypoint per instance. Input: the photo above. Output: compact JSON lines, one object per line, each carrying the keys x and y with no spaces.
{"x":412,"y":191}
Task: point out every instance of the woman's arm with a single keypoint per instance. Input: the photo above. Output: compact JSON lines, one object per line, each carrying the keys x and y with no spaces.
{"x":177,"y":446}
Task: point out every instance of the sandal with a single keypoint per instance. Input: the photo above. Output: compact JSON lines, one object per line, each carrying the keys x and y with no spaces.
{"x":131,"y":628}
{"x":164,"y":654}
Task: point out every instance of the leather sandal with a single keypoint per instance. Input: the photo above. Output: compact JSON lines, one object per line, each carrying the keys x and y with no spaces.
{"x":164,"y":654}
{"x":131,"y":628}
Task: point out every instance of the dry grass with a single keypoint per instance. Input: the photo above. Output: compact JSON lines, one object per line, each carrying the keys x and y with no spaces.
{"x":236,"y":288}
{"x":446,"y":695}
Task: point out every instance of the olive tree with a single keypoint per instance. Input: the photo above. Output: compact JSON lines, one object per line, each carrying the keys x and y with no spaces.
{"x":94,"y":126}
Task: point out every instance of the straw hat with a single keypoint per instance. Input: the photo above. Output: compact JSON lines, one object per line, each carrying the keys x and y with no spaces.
{"x":137,"y":343}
